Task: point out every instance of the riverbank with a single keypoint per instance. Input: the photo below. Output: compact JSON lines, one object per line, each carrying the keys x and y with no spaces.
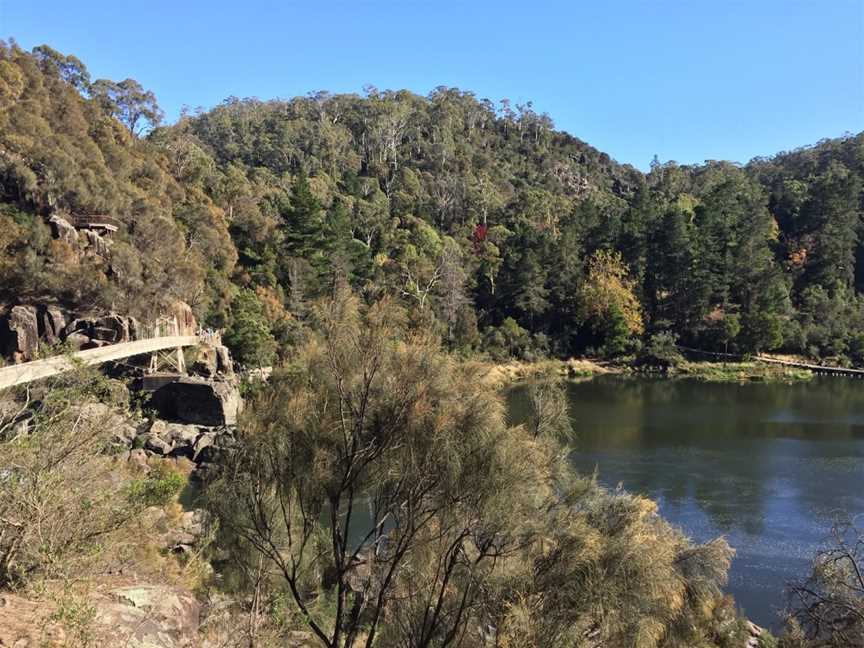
{"x":503,"y":374}
{"x":741,"y":372}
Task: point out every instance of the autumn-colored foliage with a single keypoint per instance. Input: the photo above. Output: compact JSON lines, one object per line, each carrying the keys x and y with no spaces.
{"x":609,"y":286}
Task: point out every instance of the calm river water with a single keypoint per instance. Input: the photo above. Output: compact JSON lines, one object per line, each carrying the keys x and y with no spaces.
{"x":767,"y":466}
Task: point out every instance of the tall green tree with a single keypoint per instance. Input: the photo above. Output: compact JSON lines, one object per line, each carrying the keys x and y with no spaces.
{"x":129,"y":102}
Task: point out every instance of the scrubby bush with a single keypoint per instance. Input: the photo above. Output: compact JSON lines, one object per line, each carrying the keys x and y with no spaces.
{"x":62,"y":500}
{"x":661,"y":350}
{"x":378,"y":493}
{"x":827,"y":609}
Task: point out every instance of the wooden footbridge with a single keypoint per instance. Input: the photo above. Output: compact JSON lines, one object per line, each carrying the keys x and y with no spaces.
{"x":38,"y":369}
{"x":822,"y":370}
{"x":817,"y":369}
{"x":163,"y":342}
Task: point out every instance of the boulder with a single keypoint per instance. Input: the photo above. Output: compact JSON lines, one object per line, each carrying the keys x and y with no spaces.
{"x":24,"y":327}
{"x":185,"y":318}
{"x":199,"y":451}
{"x":192,"y":527}
{"x":213,"y":359}
{"x":111,"y":328}
{"x":224,"y":363}
{"x":97,"y":245}
{"x":107,"y":329}
{"x":199,"y":401}
{"x":206,"y":363}
{"x":124,"y":434}
{"x":64,"y":230}
{"x":77,"y":341}
{"x":210,"y":451}
{"x":195,"y":522}
{"x":170,"y":439}
{"x":156,"y":445}
{"x":137,"y":459}
{"x":207,"y":402}
{"x":81,"y":326}
{"x":52,"y":321}
{"x":175,"y":439}
{"x":19,"y":334}
{"x":179,"y":434}
{"x":150,"y":616}
{"x":132,"y":616}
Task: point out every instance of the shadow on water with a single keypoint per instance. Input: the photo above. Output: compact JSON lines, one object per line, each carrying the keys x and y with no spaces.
{"x":766,"y":465}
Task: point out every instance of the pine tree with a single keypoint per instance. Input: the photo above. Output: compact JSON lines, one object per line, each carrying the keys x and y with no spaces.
{"x":305,"y":237}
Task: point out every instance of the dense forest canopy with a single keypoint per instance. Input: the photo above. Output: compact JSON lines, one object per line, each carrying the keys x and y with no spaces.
{"x":509,"y":237}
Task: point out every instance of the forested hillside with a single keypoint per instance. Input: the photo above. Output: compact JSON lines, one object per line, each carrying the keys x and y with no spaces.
{"x":508,"y":237}
{"x":69,"y":146}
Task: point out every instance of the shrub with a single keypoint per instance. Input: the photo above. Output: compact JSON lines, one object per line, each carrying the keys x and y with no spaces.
{"x":158,"y":488}
{"x":248,"y":334}
{"x":661,"y":350}
{"x":60,"y":507}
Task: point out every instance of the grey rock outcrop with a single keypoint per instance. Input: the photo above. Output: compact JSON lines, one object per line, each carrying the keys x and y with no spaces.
{"x":206,"y":363}
{"x":111,"y":328}
{"x":199,"y":401}
{"x":77,"y":341}
{"x":19,"y":334}
{"x":198,"y":444}
{"x":200,"y":450}
{"x":190,"y":532}
{"x":156,"y":445}
{"x":78,"y":325}
{"x":52,"y":321}
{"x":149,"y":616}
{"x":224,"y":363}
{"x":185,"y":318}
{"x":108,"y":328}
{"x":131,"y":616}
{"x":213,"y":359}
{"x":97,"y":244}
{"x":169,"y":439}
{"x":180,"y":435}
{"x":64,"y":230}
{"x":213,"y":402}
{"x":137,"y":459}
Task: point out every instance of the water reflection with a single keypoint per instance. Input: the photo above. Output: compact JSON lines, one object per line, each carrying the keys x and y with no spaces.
{"x":766,"y":465}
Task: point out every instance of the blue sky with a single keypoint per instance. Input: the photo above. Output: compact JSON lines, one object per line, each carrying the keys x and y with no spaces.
{"x":688,"y":80}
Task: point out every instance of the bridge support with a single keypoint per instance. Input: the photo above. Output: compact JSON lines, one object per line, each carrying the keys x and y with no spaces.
{"x":178,"y":361}
{"x":173,"y":358}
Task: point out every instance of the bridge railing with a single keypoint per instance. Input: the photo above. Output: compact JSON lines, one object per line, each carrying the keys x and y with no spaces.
{"x":95,"y":221}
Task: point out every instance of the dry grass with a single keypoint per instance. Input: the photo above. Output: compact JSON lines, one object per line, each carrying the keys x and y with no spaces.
{"x":499,"y":375}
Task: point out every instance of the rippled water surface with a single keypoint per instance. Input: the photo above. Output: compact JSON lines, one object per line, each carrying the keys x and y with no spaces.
{"x":767,"y":466}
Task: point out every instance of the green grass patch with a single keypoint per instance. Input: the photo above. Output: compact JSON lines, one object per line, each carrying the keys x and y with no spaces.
{"x":741,"y":372}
